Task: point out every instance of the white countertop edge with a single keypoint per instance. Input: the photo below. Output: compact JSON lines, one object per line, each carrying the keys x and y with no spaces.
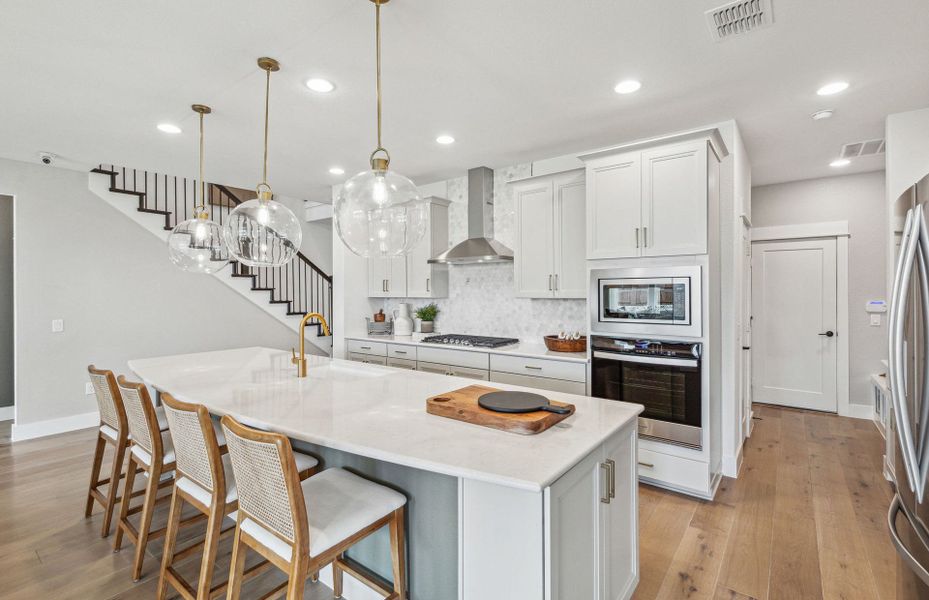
{"x":524,"y":349}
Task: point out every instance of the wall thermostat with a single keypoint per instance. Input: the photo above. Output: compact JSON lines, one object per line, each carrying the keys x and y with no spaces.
{"x":875,"y":306}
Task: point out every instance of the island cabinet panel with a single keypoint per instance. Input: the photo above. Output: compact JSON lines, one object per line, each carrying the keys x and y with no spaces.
{"x":591,"y":525}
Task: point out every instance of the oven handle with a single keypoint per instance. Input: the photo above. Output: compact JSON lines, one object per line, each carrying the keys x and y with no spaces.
{"x":649,"y":360}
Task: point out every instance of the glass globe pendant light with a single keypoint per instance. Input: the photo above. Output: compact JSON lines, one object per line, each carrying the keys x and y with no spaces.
{"x":380,"y":212}
{"x":261,"y":232}
{"x":196,"y":245}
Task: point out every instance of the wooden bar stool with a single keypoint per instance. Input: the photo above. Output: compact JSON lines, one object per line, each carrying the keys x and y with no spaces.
{"x":114,"y":431}
{"x":302,"y":527}
{"x":152,"y":454}
{"x":203,"y":480}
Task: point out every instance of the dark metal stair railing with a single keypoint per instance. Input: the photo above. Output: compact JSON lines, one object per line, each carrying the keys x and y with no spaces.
{"x":300,"y":284}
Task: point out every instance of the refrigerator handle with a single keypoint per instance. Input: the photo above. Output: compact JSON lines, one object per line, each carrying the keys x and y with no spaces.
{"x":895,"y":507}
{"x":905,"y":263}
{"x":923,"y":254}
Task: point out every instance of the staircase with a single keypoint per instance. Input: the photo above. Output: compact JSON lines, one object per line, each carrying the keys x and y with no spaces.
{"x":161,"y":201}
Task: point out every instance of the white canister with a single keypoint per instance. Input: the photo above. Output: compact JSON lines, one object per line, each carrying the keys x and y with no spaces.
{"x":403,"y":324}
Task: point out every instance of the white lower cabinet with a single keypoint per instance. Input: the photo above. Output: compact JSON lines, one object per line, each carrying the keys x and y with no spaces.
{"x":401,"y":363}
{"x":368,"y":358}
{"x":591,"y":525}
{"x":452,"y":370}
{"x":675,"y":472}
{"x":542,"y":383}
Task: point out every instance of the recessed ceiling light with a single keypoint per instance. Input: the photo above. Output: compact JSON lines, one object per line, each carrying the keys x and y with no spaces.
{"x":168,"y":128}
{"x":445,"y":139}
{"x":323,"y":86}
{"x":840,"y":162}
{"x":337,"y":171}
{"x":832,"y":88}
{"x":822,"y":114}
{"x":627,"y":87}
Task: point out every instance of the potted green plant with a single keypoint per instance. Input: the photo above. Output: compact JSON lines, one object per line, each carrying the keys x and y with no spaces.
{"x":425,"y":317}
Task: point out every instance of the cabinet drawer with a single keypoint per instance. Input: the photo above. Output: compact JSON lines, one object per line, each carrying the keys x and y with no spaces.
{"x":401,"y":363}
{"x":452,"y":370}
{"x":401,"y":351}
{"x":539,"y":367}
{"x":375,"y":348}
{"x":542,"y":383}
{"x":368,"y":358}
{"x":459,"y":358}
{"x":674,"y":470}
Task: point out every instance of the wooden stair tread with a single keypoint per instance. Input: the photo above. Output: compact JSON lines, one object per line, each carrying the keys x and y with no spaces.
{"x":130,"y":192}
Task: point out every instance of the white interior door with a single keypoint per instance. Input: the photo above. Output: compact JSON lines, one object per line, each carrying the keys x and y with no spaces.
{"x":794,"y":310}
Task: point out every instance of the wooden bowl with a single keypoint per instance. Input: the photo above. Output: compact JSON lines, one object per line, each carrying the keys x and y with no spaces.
{"x":555,"y":345}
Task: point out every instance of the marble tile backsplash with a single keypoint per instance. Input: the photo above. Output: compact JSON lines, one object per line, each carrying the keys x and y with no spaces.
{"x":482,"y":298}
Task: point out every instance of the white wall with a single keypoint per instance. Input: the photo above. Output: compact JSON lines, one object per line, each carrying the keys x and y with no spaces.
{"x":6,"y":301}
{"x":858,"y":199}
{"x":120,"y":298}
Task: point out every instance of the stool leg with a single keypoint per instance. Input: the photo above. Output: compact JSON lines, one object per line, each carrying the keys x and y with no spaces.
{"x":237,"y":568}
{"x":118,"y":458}
{"x":337,"y":577}
{"x":95,"y":473}
{"x":296,"y":582}
{"x":145,"y":524}
{"x":210,"y":546}
{"x":398,"y":552}
{"x":167,"y":558}
{"x":124,"y":504}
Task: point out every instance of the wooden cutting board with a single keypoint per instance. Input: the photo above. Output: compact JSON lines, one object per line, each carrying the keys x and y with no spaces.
{"x":462,"y":405}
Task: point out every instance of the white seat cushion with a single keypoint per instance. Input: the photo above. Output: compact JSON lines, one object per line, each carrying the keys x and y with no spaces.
{"x":166,"y":445}
{"x":304,"y":462}
{"x":162,"y":419}
{"x":108,"y":432}
{"x":338,"y":505}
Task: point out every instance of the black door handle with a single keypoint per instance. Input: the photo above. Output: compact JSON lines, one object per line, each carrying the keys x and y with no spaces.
{"x":828,"y":334}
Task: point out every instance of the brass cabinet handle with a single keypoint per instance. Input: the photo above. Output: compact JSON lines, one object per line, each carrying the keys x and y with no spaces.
{"x":556,"y":281}
{"x":646,"y":465}
{"x":636,"y":237}
{"x":549,"y":283}
{"x":607,"y":499}
{"x":645,"y":237}
{"x":427,"y":284}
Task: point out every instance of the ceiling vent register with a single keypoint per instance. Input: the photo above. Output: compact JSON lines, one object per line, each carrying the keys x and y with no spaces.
{"x":736,"y":18}
{"x":866,"y":148}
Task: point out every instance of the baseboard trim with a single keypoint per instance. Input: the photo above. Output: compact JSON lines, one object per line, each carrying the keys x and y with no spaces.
{"x":29,"y":431}
{"x":6,"y":413}
{"x":732,"y":464}
{"x":352,"y":589}
{"x":860,"y":411}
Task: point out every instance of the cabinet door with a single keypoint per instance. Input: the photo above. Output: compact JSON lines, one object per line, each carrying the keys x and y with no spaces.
{"x":534,"y":269}
{"x":396,"y":280}
{"x":674,"y":203}
{"x":614,"y":206}
{"x":542,"y":383}
{"x":437,"y":368}
{"x":619,"y":532}
{"x":570,"y":233}
{"x":425,"y":280}
{"x":418,"y":270}
{"x":378,"y":276}
{"x":469,"y":373}
{"x":573,"y":530}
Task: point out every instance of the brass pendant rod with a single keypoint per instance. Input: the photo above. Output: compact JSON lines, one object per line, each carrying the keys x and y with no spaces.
{"x":264,"y":170}
{"x":202,"y":182}
{"x":377,"y":29}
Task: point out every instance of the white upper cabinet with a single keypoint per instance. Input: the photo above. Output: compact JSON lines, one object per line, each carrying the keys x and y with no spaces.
{"x":411,"y":276}
{"x":614,"y":206}
{"x":653,"y":201}
{"x":549,"y":259}
{"x":425,"y":280}
{"x":674,"y":199}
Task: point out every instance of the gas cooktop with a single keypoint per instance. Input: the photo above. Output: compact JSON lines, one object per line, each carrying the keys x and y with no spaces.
{"x":477,"y":341}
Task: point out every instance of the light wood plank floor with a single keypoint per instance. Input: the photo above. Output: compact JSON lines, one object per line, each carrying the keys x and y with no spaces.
{"x":804,"y":520}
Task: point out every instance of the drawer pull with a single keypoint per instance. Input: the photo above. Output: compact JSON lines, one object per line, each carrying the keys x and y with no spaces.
{"x":533,"y":368}
{"x":612,"y":465}
{"x":365,"y":347}
{"x":605,"y":466}
{"x":646,"y":465}
{"x":399,"y":351}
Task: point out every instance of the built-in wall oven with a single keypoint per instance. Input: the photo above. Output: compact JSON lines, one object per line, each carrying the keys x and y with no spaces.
{"x":665,"y":377}
{"x":647,"y":301}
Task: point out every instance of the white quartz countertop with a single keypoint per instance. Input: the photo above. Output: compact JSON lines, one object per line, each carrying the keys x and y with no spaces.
{"x":528,"y":349}
{"x":380,"y":412}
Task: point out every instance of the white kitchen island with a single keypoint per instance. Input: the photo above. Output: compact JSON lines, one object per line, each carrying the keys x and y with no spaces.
{"x":549,"y":516}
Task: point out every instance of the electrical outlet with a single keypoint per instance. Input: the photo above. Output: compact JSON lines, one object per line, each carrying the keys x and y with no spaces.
{"x":58,"y":325}
{"x":88,"y":388}
{"x":875,"y":319}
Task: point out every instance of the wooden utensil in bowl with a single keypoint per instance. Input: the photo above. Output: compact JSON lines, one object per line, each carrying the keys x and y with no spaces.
{"x":558,"y":345}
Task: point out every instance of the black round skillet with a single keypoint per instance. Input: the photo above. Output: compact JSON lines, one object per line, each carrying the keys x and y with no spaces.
{"x":518,"y":402}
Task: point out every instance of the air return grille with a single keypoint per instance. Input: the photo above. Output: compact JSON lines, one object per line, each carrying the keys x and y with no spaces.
{"x":866,"y":148}
{"x":736,"y":18}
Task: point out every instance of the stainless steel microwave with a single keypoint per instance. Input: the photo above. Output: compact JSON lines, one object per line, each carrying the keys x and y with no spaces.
{"x":647,"y":301}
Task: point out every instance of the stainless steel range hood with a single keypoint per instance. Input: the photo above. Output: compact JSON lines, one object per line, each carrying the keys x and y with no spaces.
{"x":480,"y":247}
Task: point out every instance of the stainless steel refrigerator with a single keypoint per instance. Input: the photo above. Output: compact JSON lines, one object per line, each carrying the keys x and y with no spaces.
{"x":908,"y":516}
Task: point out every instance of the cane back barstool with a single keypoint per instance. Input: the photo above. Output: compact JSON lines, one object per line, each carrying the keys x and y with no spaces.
{"x":203,"y":480}
{"x":151,"y":454}
{"x":113,"y":430}
{"x":302,"y":527}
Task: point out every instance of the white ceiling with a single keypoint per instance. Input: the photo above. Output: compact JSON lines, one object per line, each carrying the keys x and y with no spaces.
{"x":513,"y":81}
